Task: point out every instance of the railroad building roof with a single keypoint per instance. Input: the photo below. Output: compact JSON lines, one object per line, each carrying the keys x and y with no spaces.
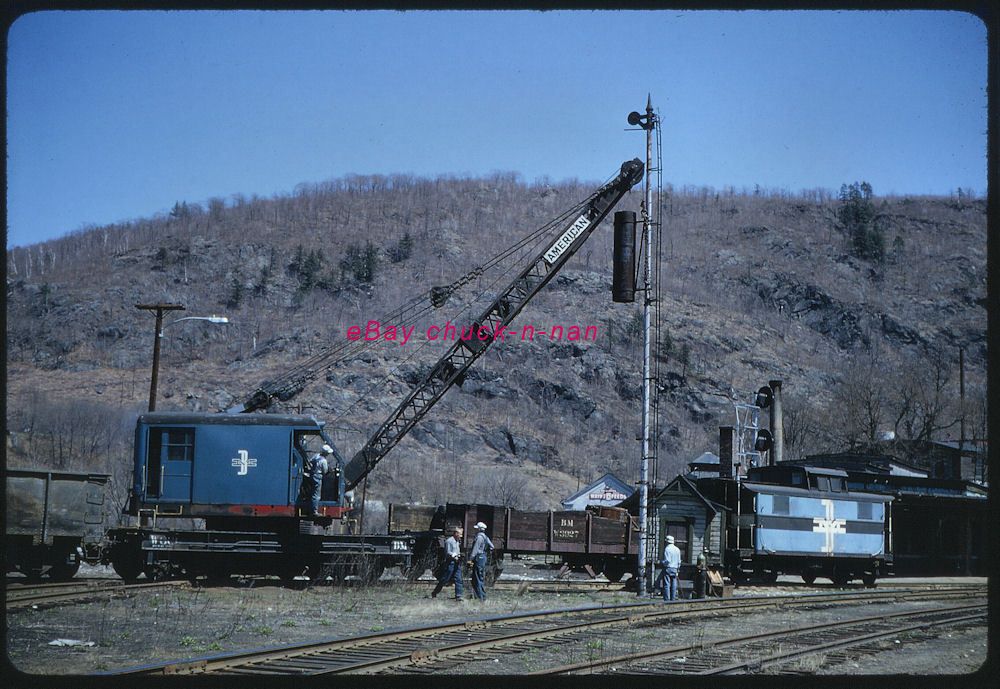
{"x":607,"y":491}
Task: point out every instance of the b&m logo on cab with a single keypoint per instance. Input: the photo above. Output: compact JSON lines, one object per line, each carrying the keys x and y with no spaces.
{"x":244,"y":462}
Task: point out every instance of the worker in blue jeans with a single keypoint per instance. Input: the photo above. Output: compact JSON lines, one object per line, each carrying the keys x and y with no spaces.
{"x":481,"y":549}
{"x":452,"y":570}
{"x":671,"y":567}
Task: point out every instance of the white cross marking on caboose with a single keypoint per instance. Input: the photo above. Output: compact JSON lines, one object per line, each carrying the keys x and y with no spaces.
{"x":244,"y":462}
{"x":828,"y":525}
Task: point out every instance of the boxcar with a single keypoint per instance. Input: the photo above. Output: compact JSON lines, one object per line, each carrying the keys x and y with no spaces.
{"x":54,"y":521}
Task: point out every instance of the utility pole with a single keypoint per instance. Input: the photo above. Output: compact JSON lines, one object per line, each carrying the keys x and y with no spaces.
{"x":647,"y":122}
{"x":961,"y":402}
{"x":159,"y":308}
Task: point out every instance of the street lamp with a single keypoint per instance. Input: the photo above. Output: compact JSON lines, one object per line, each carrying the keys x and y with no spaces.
{"x":160,"y":309}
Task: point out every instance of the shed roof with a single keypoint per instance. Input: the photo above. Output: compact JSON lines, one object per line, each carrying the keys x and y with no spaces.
{"x":683,"y":483}
{"x":608,"y":479}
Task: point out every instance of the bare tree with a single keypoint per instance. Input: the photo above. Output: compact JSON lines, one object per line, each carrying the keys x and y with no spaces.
{"x":858,"y":403}
{"x":507,"y":487}
{"x":802,"y":426}
{"x":925,"y":400}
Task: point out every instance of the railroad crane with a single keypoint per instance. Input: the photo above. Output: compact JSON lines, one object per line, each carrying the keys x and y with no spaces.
{"x":240,"y":472}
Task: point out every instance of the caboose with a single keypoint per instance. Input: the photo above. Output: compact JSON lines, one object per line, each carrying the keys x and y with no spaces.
{"x":792,"y":520}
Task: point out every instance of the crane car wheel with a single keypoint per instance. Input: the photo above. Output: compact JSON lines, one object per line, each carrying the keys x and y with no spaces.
{"x":64,"y":571}
{"x":128,"y":568}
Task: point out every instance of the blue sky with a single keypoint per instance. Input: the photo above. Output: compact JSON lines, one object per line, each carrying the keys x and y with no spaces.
{"x":116,"y":115}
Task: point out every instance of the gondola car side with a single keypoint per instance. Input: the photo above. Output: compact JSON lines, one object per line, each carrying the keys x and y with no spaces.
{"x":54,"y":521}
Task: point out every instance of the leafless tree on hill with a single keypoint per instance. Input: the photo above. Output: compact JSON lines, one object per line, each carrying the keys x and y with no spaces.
{"x":926,"y":399}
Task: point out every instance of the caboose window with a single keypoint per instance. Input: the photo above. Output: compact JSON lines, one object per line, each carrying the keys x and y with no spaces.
{"x":864,"y":510}
{"x":780,"y":504}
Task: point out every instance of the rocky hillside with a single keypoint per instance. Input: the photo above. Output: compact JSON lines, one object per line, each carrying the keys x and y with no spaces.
{"x":755,"y":286}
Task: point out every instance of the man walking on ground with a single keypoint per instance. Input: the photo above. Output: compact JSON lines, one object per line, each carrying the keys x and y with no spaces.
{"x":452,"y":565}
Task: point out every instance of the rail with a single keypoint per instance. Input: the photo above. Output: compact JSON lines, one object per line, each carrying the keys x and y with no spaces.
{"x":34,"y":595}
{"x":752,"y":653}
{"x":431,"y":648}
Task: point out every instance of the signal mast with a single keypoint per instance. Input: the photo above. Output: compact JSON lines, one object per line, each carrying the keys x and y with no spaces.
{"x":650,"y":287}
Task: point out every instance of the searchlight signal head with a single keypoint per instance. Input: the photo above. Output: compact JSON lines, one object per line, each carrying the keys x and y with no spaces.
{"x":764,"y":441}
{"x":634,"y":118}
{"x":637,"y":120}
{"x":764,"y":397}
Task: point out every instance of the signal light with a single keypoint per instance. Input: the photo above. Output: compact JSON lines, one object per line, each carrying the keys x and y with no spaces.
{"x":644,"y":121}
{"x":764,"y":441}
{"x":764,"y":397}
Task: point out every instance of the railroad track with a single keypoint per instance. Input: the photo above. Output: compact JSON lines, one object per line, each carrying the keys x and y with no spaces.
{"x":537,"y":585}
{"x":440,"y":647}
{"x":30,"y":595}
{"x":754,"y":653}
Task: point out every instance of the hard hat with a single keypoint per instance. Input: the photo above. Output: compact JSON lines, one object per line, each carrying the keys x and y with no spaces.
{"x":481,"y":526}
{"x":670,"y":539}
{"x":327,"y":450}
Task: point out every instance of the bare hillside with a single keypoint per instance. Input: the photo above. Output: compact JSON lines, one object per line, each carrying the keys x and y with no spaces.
{"x":755,"y":286}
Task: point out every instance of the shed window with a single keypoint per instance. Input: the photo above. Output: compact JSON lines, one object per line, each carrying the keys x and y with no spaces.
{"x":679,"y":530}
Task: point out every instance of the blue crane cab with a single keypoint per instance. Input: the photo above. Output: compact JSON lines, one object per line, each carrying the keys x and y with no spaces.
{"x":226,"y":465}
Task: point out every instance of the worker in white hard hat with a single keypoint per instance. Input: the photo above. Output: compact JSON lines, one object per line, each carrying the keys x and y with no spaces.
{"x":671,"y":567}
{"x":478,"y":556}
{"x":312,"y":477}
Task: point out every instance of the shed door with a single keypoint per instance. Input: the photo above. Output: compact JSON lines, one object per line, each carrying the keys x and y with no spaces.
{"x":172,"y":451}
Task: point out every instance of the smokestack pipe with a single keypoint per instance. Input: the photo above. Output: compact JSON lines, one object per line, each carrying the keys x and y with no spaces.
{"x":727,"y":465}
{"x":777,"y":424}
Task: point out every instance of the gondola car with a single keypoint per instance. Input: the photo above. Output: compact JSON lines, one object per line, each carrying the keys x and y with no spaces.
{"x":54,"y":521}
{"x":598,"y":540}
{"x":801,"y":521}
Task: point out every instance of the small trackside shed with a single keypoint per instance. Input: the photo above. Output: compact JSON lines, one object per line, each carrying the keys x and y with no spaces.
{"x":696,"y":523}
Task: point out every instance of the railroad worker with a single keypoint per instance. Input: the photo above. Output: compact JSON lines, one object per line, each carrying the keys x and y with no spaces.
{"x":312,"y":477}
{"x":671,"y":566}
{"x":453,"y":564}
{"x":481,"y":548}
{"x":700,"y":575}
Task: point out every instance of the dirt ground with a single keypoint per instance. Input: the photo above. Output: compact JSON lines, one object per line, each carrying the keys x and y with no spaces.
{"x":173,"y":624}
